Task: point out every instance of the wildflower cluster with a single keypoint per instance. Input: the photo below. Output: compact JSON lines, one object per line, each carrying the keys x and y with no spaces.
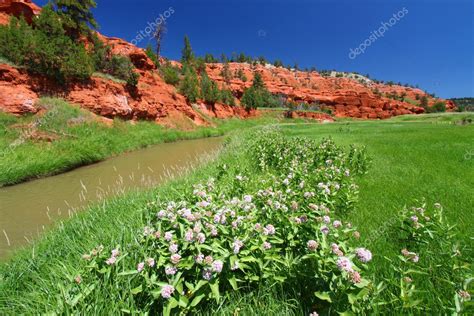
{"x":275,"y":220}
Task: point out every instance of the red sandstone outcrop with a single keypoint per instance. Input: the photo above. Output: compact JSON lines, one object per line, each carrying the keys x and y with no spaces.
{"x":346,"y":97}
{"x":18,"y":8}
{"x":320,"y":117}
{"x":153,"y":99}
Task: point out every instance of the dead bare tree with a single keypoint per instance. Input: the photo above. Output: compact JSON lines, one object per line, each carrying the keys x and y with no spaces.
{"x":158,"y":35}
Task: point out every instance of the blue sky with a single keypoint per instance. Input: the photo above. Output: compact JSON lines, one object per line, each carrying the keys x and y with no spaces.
{"x":430,"y":45}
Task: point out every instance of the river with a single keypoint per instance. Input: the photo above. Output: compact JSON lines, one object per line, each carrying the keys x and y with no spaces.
{"x":28,"y":209}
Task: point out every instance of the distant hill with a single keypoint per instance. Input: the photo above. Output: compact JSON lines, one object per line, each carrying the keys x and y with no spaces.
{"x":464,"y":104}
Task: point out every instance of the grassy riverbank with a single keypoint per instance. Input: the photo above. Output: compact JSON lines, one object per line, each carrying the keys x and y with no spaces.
{"x":26,"y":150}
{"x":411,"y":161}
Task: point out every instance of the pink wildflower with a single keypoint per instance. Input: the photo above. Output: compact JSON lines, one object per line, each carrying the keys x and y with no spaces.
{"x":355,"y":277}
{"x":344,"y":264}
{"x":78,"y":279}
{"x":189,"y":235}
{"x":168,"y":236}
{"x":201,"y":238}
{"x":337,"y":224}
{"x":150,"y":262}
{"x":167,"y":291}
{"x":115,"y":252}
{"x":269,"y":230}
{"x":170,"y":270}
{"x":312,"y":245}
{"x":267,"y":245}
{"x":336,"y":250}
{"x":217,"y":266}
{"x":208,"y":260}
{"x":173,"y":248}
{"x":464,"y":295}
{"x":111,"y":261}
{"x":207,"y":274}
{"x":140,"y":266}
{"x":325,"y":230}
{"x":237,"y":245}
{"x":199,"y":258}
{"x":175,"y":258}
{"x":364,"y":255}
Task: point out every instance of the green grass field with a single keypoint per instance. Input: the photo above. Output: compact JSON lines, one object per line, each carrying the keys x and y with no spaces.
{"x":413,"y":158}
{"x":427,"y":157}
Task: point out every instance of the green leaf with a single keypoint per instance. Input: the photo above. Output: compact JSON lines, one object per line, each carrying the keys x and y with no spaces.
{"x":129,"y":272}
{"x":233,"y":283}
{"x":136,"y":290}
{"x":215,"y":289}
{"x":173,"y":303}
{"x":183,"y":301}
{"x":200,"y":284}
{"x":352,"y":298}
{"x":197,"y":299}
{"x":325,"y":296}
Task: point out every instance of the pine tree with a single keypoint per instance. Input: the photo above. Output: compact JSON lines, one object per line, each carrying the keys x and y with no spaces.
{"x":240,"y":74}
{"x":225,"y":73}
{"x":424,"y":102}
{"x":189,"y":86}
{"x":258,"y":81}
{"x":187,"y":54}
{"x":209,"y":89}
{"x":278,"y":63}
{"x":76,"y":15}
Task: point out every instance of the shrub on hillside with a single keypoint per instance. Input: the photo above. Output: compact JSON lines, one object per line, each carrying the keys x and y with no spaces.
{"x":152,"y":55}
{"x":45,"y":49}
{"x":437,"y":107}
{"x":209,"y":89}
{"x":122,"y":68}
{"x":189,"y":86}
{"x":170,"y":74}
{"x":258,"y":96}
{"x":226,"y":97}
{"x":226,"y":73}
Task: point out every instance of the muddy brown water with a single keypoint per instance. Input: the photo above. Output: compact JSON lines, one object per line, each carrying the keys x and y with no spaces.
{"x":28,"y":209}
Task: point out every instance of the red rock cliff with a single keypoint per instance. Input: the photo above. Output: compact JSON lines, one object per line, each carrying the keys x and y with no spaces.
{"x":156,"y":100}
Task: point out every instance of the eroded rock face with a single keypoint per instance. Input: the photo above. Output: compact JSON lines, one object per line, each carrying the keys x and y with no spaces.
{"x":153,"y":99}
{"x":320,"y":117}
{"x":16,"y":96}
{"x":18,"y":8}
{"x":346,"y":97}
